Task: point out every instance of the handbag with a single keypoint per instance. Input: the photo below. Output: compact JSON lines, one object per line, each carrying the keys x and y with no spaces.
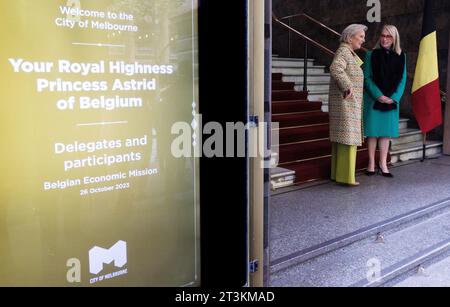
{"x":384,"y":106}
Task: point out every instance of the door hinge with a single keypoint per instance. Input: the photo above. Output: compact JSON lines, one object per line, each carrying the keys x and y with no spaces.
{"x":253,"y":266}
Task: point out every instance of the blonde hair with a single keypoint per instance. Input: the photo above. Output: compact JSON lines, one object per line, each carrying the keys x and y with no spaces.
{"x":392,"y":30}
{"x":351,"y":31}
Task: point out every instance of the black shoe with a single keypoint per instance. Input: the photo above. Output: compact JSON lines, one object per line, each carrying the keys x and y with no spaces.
{"x":369,"y":173}
{"x":388,"y":175}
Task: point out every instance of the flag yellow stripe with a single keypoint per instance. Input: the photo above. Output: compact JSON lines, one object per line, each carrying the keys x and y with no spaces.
{"x":427,"y":63}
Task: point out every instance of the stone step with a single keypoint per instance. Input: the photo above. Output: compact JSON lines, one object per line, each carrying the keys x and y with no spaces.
{"x":432,"y":275}
{"x":300,"y":72}
{"x":302,"y":150}
{"x":403,"y":123}
{"x":300,"y":119}
{"x":284,"y":95}
{"x":322,"y":87}
{"x":292,"y":61}
{"x":319,"y":97}
{"x":277,"y":63}
{"x":403,"y":248}
{"x":318,"y":92}
{"x":277,"y":77}
{"x":408,"y":151}
{"x":300,"y":83}
{"x":407,"y":136}
{"x":281,"y":177}
{"x":277,"y":57}
{"x":282,"y":107}
{"x":318,"y":168}
{"x":320,"y":241}
{"x":299,"y":134}
{"x":311,"y":78}
{"x":280,"y":85}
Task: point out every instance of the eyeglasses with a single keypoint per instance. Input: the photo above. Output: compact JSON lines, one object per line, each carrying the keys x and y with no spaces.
{"x":386,"y":36}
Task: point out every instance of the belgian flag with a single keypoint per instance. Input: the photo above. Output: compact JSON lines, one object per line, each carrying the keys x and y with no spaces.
{"x":426,"y":99}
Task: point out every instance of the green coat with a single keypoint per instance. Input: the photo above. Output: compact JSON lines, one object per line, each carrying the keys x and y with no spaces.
{"x":378,"y":123}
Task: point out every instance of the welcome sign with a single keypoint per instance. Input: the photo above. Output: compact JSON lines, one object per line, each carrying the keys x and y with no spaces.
{"x":89,"y":93}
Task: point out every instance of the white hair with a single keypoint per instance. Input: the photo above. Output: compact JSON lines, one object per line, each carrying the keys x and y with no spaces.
{"x":351,"y":31}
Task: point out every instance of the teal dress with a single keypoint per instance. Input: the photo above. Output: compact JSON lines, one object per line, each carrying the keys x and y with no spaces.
{"x":379,"y":123}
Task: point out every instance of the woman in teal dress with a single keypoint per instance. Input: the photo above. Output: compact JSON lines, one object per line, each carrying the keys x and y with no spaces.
{"x":384,"y":84}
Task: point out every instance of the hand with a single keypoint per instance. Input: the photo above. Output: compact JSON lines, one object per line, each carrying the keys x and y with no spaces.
{"x":384,"y":99}
{"x":348,"y":94}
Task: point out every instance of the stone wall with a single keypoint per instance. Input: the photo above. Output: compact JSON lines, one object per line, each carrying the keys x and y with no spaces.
{"x":337,"y":14}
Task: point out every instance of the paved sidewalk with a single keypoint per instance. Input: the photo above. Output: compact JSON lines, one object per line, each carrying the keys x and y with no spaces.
{"x":311,"y":216}
{"x":436,"y":275}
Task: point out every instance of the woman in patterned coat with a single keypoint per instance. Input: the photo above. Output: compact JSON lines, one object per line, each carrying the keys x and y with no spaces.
{"x":345,"y":105}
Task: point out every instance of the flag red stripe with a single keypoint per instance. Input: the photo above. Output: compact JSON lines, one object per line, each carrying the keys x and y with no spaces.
{"x":426,"y":103}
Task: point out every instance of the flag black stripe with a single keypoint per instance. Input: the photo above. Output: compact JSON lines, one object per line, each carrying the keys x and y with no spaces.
{"x":428,"y":25}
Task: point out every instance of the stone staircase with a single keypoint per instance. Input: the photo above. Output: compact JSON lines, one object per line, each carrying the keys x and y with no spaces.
{"x":409,"y":145}
{"x":385,"y":233}
{"x":318,"y":79}
{"x":303,"y":127}
{"x":402,"y":249}
{"x":436,"y":275}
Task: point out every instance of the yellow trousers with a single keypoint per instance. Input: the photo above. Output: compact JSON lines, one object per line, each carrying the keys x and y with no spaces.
{"x":343,"y":163}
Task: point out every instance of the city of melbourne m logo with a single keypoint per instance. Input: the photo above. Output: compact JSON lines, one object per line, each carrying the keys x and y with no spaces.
{"x":99,"y":256}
